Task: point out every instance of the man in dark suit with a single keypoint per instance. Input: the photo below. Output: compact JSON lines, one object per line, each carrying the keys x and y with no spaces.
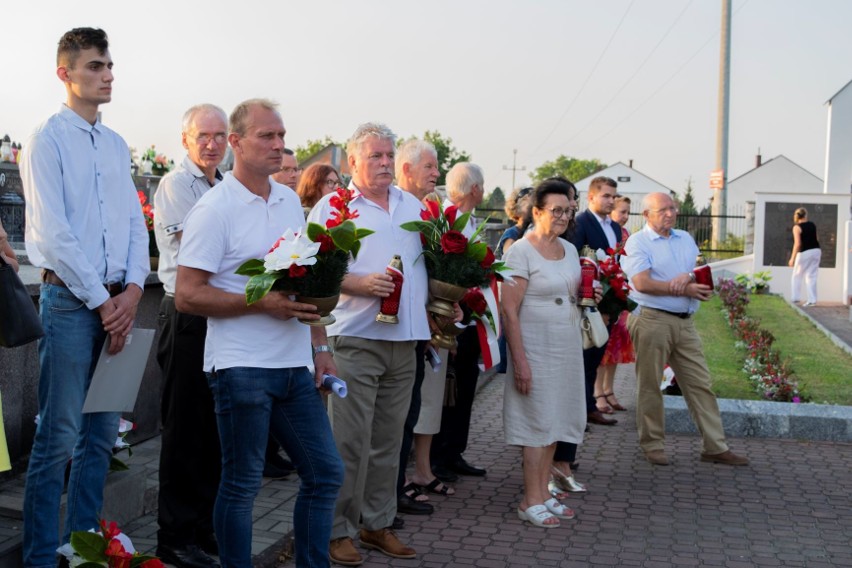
{"x":593,"y":227}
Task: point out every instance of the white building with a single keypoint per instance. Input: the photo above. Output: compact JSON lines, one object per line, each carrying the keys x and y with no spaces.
{"x":778,"y":175}
{"x":838,"y":144}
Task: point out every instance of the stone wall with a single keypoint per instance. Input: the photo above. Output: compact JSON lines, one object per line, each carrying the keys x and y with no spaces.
{"x":19,"y":385}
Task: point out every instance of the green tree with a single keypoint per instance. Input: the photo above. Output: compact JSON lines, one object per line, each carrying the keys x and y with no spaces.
{"x":573,"y":169}
{"x":495,"y":200}
{"x":448,"y":155}
{"x":311,"y":147}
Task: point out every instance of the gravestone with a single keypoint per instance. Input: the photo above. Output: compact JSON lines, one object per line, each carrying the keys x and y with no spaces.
{"x":778,"y":234}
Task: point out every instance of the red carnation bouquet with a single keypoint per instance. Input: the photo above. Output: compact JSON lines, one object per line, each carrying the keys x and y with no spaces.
{"x":450,"y":256}
{"x":310,"y":264}
{"x":614,"y":284}
{"x":108,"y":547}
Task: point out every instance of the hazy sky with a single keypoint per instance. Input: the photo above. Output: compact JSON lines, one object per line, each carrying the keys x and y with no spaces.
{"x":608,"y":79}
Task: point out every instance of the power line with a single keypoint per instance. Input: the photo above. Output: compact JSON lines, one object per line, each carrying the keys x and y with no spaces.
{"x":628,"y":81}
{"x":655,"y":93}
{"x":586,"y":82}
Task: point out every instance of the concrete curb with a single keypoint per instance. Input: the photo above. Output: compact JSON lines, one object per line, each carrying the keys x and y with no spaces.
{"x":765,"y":419}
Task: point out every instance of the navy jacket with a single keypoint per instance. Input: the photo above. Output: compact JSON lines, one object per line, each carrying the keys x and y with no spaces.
{"x":587,"y":231}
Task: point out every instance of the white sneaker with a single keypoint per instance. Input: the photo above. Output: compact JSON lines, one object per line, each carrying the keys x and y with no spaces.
{"x":808,"y":304}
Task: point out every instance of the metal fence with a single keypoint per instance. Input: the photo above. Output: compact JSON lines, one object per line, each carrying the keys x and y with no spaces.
{"x":700,"y":226}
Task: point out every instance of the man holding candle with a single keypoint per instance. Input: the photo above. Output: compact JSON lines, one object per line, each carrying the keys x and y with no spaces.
{"x":659,"y":260}
{"x":375,"y":358}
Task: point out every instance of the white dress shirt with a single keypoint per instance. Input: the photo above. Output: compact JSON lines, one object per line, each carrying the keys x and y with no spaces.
{"x":356,"y":315}
{"x":471,"y":222}
{"x":224,"y":229}
{"x":84,"y":220}
{"x":606,"y":224}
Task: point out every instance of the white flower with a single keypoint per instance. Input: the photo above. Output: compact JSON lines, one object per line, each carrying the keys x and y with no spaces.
{"x":293,"y":248}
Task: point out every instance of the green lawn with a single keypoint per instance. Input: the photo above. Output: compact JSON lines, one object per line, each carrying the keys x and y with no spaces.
{"x":822,"y":368}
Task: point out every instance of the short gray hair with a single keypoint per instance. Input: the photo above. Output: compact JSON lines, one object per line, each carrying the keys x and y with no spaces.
{"x":649,"y":200}
{"x":189,"y":115}
{"x":411,"y":152}
{"x":240,"y":113}
{"x":368,"y":130}
{"x":461,"y":178}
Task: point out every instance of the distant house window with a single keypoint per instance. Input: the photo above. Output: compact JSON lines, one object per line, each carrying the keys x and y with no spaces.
{"x":623,"y":178}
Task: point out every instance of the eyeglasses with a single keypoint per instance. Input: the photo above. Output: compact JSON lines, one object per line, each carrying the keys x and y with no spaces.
{"x":558,"y":212}
{"x":332,"y":183}
{"x":664,"y":210}
{"x":204,"y":139}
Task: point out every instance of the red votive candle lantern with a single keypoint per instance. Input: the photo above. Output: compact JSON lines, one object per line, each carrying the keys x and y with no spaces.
{"x":389,"y":311}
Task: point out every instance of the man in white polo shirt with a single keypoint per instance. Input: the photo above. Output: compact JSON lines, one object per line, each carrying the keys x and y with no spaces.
{"x":376,"y":359}
{"x":256,"y":356}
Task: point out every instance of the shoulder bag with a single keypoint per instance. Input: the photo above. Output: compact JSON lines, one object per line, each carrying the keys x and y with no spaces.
{"x":19,"y":320}
{"x":594,"y":329}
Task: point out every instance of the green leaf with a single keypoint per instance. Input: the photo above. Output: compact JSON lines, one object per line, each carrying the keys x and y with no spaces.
{"x":421,"y":226}
{"x":116,"y":464}
{"x":343,"y":235}
{"x":92,"y":564}
{"x":259,"y":286}
{"x":479,"y":228}
{"x":315,"y":230}
{"x":90,"y":546}
{"x":361,"y":233}
{"x":476,"y":250}
{"x":251,"y":268}
{"x":356,"y":246}
{"x":461,"y":221}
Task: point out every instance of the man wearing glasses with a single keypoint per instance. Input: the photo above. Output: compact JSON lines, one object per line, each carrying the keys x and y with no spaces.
{"x":190,"y":462}
{"x":659,"y":260}
{"x":290,"y":171}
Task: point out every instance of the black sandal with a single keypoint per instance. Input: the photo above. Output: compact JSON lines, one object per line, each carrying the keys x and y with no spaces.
{"x":433,"y":487}
{"x":413,"y":491}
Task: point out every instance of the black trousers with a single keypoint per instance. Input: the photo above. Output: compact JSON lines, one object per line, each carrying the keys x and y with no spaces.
{"x":413,"y":413}
{"x":190,"y":458}
{"x":451,"y":442}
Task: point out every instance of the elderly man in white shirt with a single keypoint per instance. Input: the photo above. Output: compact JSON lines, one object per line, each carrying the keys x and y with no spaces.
{"x":86,"y":232}
{"x":375,"y":358}
{"x":465,"y":190}
{"x":189,"y":465}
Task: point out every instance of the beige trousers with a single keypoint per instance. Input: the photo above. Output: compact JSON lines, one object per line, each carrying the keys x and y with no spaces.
{"x":367,"y":427}
{"x":661,"y":338}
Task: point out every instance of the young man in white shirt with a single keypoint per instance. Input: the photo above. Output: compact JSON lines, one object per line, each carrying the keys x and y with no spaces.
{"x":86,"y":232}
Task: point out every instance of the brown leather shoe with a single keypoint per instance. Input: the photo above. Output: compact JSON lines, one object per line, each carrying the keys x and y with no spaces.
{"x":727,"y":457}
{"x":385,"y":541}
{"x":598,"y":417}
{"x":657,"y":457}
{"x":342,"y":551}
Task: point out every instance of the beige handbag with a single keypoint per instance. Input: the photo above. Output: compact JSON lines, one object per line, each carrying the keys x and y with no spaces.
{"x":594,"y":329}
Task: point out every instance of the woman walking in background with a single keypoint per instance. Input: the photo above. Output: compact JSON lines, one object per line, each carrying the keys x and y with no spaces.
{"x":805,"y":256}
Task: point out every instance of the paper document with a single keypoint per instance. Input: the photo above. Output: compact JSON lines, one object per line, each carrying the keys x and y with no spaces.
{"x":116,"y":381}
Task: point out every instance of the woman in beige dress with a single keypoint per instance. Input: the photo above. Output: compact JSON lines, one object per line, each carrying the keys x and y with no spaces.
{"x":544,"y":400}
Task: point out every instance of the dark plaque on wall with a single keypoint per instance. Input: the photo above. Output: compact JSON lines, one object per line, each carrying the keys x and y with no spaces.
{"x":778,"y":232}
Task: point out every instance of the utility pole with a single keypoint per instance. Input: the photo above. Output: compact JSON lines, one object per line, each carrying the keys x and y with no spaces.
{"x":720,"y":192}
{"x":514,"y":168}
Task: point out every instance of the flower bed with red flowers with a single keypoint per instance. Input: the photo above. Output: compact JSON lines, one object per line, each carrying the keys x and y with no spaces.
{"x":770,"y":377}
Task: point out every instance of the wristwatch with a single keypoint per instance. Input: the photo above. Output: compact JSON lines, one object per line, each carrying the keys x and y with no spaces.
{"x":322,"y":349}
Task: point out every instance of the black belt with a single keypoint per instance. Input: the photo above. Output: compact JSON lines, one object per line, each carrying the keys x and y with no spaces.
{"x":50,"y":277}
{"x":681,"y":315}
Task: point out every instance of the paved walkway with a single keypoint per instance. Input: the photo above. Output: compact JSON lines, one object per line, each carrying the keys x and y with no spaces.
{"x":791,"y":507}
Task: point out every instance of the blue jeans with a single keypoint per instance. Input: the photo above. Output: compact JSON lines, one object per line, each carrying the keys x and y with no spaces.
{"x":68,"y":353}
{"x":249,"y":403}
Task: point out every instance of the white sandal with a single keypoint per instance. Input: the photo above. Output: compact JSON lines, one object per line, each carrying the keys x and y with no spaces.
{"x":559,"y":510}
{"x":537,"y":514}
